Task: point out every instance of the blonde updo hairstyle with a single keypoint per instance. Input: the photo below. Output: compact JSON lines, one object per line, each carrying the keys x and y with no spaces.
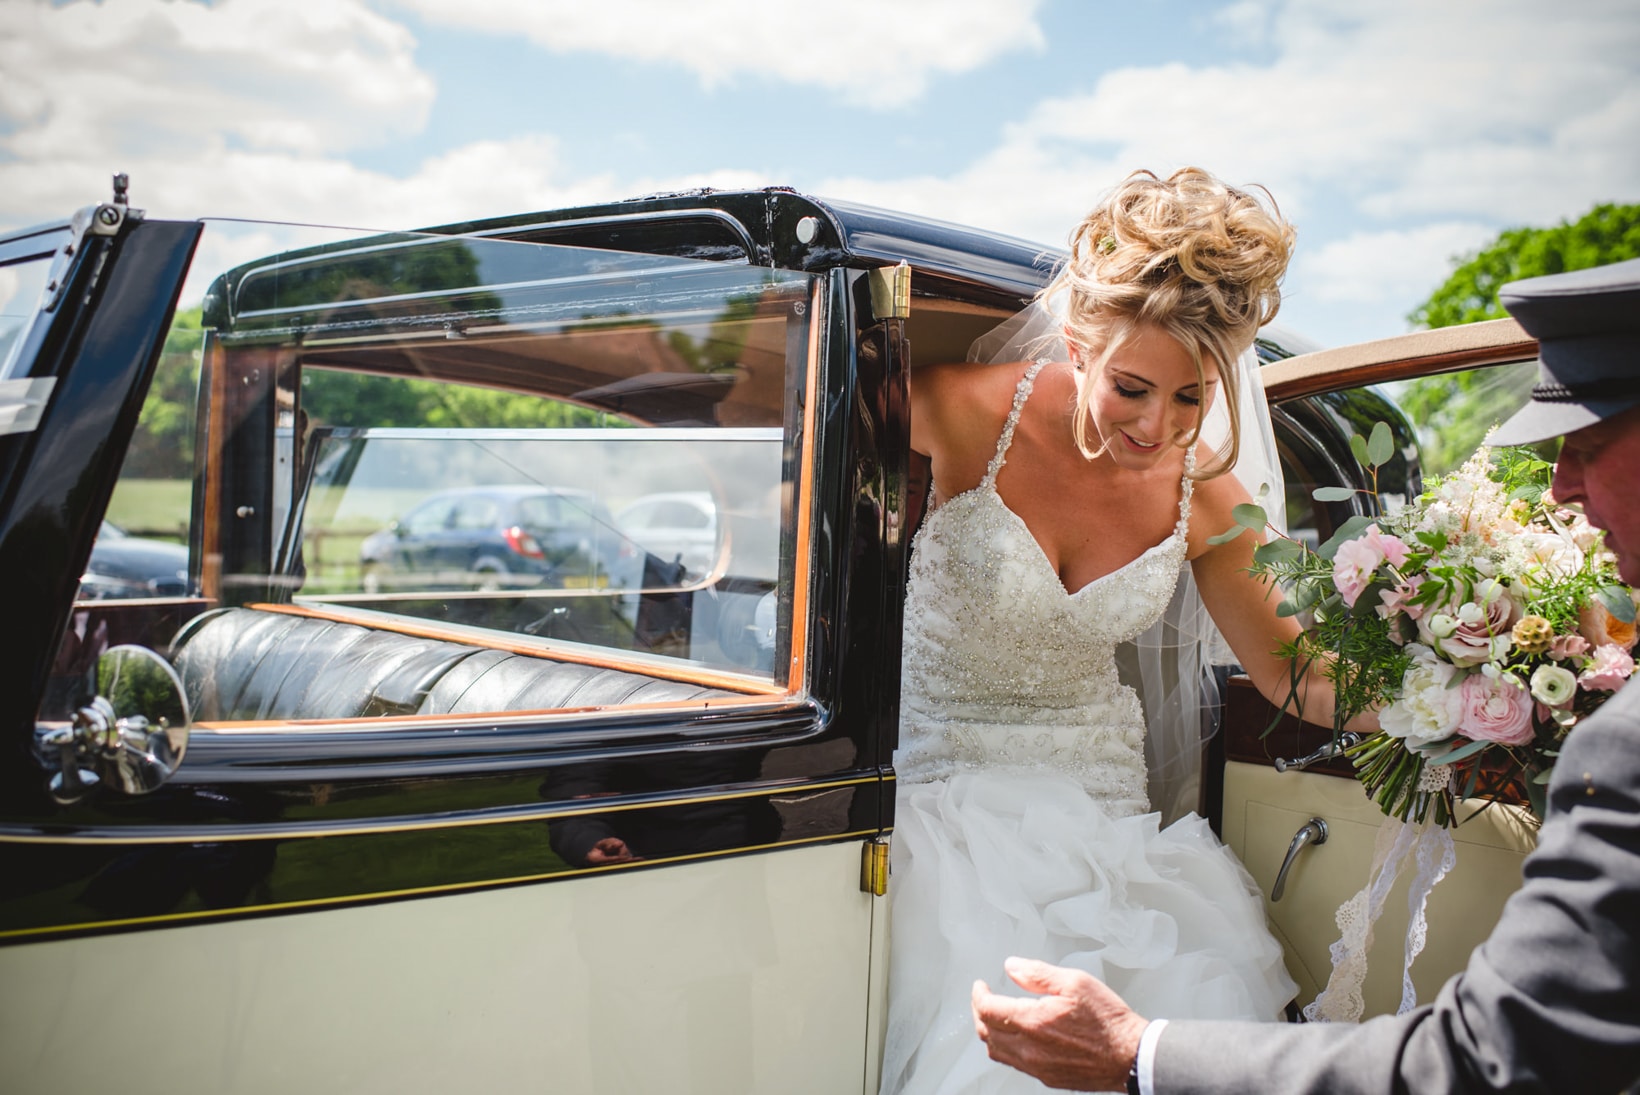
{"x":1189,"y":255}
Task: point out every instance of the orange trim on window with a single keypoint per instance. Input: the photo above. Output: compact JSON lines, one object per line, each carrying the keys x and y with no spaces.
{"x":803,"y":499}
{"x":543,"y":649}
{"x":209,"y":452}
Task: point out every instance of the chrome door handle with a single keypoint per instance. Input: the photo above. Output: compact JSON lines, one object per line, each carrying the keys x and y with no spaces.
{"x":1313,"y":831}
{"x":1346,"y":740}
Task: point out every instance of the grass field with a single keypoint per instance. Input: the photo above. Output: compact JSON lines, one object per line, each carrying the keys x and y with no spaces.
{"x":152,"y":507}
{"x":159,"y":509}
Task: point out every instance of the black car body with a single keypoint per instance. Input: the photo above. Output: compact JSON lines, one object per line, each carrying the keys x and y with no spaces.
{"x":614,"y":837}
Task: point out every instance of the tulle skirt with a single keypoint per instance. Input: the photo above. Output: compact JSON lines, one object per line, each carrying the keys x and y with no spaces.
{"x":995,"y":863}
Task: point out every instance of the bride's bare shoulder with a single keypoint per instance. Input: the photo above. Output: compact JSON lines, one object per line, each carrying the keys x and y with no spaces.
{"x":957,"y":402}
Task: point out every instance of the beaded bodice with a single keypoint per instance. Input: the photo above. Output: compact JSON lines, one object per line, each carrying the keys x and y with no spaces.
{"x":1003,"y":666}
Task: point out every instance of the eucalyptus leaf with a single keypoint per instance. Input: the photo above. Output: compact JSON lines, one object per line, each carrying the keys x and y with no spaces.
{"x":1432,"y":749}
{"x":1349,"y":530}
{"x":1333,"y":494}
{"x":1381,"y":446}
{"x":1358,"y":446}
{"x":1538,"y":798}
{"x":1287,"y":608}
{"x":1463,"y":752}
{"x":1232,"y":533}
{"x":1544,"y":777}
{"x":1248,"y":515}
{"x":1277,"y":551}
{"x":1305,"y":594}
{"x":1617,"y":602}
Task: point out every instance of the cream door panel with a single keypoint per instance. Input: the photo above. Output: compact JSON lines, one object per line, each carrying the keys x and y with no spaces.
{"x":1264,"y":808}
{"x":748,"y":974}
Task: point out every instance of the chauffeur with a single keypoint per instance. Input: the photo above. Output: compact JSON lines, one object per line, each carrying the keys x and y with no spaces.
{"x":1551,"y":1001}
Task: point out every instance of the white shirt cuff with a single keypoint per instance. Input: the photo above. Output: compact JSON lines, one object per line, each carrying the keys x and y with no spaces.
{"x":1147,"y":1055}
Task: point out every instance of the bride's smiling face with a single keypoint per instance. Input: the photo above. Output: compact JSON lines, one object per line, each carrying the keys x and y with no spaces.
{"x":1147,"y":399}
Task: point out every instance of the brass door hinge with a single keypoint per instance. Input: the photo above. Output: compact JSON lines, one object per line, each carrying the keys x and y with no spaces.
{"x":891,"y":292}
{"x":874,"y":866}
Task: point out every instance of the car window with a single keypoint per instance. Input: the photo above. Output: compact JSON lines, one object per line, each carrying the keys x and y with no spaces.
{"x":680,"y":515}
{"x":427,"y":518}
{"x":410,"y":454}
{"x":1438,"y":421}
{"x":21,"y":286}
{"x":472,"y":514}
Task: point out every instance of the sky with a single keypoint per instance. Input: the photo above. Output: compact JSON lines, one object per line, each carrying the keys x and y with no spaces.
{"x":1395,"y":134}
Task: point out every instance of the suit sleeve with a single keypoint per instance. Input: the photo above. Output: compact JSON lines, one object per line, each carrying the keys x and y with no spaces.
{"x":1550,"y":1002}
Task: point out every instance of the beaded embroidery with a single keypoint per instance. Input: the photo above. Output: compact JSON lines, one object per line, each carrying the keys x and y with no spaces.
{"x":1003,"y":666}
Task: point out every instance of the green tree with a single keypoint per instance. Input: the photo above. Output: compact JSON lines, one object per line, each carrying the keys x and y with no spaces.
{"x":163,"y":446}
{"x":1605,"y":234}
{"x":1453,"y":412}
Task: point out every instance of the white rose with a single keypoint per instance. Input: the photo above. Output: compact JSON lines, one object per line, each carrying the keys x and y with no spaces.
{"x":1428,"y":709}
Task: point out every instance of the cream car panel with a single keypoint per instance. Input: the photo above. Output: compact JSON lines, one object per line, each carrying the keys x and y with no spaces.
{"x":1263,"y":809}
{"x":764,"y":987}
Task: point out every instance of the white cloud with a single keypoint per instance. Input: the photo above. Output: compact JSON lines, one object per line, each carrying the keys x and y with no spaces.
{"x":124,"y":76}
{"x":1417,"y":130}
{"x":1471,"y":107}
{"x":1396,"y":267}
{"x":871,"y":52}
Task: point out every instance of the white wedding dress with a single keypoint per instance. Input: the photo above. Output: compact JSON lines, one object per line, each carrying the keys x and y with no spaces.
{"x":1022,"y":823}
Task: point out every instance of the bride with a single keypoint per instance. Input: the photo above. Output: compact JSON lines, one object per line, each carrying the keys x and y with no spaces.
{"x":1067,"y":497}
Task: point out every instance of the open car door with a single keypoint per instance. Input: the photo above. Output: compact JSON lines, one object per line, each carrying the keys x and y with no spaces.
{"x":429,"y":773}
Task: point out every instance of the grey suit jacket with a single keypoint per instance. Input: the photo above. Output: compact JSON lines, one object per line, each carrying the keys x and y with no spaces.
{"x":1550,"y":1002}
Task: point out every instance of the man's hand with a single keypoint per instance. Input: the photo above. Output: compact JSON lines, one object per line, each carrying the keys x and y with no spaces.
{"x":1077,"y":1034}
{"x":611,"y":849}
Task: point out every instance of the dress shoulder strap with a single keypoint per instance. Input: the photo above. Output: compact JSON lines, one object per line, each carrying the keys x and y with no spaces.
{"x":1186,"y":486}
{"x":1022,"y":392}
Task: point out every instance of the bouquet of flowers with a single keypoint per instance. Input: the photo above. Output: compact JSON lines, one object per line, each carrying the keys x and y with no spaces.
{"x":1481,"y":621}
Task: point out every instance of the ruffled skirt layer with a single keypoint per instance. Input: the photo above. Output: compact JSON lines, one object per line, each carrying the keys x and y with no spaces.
{"x":996,"y":862}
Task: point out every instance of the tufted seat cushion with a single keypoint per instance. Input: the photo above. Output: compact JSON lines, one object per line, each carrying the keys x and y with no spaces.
{"x":493,"y":680}
{"x":240,"y":664}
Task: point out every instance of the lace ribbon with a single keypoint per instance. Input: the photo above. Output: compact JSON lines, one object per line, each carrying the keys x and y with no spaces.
{"x":1428,"y":845}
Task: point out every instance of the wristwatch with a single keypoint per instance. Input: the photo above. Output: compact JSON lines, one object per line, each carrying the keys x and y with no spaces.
{"x":1133,"y":1078}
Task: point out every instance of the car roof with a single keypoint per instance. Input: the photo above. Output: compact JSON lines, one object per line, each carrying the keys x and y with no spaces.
{"x":763,"y":221}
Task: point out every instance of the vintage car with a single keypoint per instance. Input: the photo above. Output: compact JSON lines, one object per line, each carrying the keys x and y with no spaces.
{"x":289,"y":828}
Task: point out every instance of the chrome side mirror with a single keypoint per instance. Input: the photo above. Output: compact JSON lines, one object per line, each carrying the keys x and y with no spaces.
{"x":130,"y":737}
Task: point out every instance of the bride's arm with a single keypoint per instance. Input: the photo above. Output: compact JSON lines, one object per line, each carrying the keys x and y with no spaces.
{"x":1243,"y":606}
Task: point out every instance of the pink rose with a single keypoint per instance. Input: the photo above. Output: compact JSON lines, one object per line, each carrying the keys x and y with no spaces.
{"x":1610,"y":666}
{"x":1470,"y":632}
{"x":1563,"y":647}
{"x":1495,"y":709}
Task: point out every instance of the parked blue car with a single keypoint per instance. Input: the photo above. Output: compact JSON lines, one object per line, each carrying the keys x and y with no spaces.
{"x":123,"y":566}
{"x":492,"y":538}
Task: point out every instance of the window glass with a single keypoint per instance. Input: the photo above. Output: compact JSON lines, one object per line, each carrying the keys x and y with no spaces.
{"x":1452,"y":412}
{"x":21,"y":287}
{"x":1447,"y":414}
{"x":426,"y":450}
